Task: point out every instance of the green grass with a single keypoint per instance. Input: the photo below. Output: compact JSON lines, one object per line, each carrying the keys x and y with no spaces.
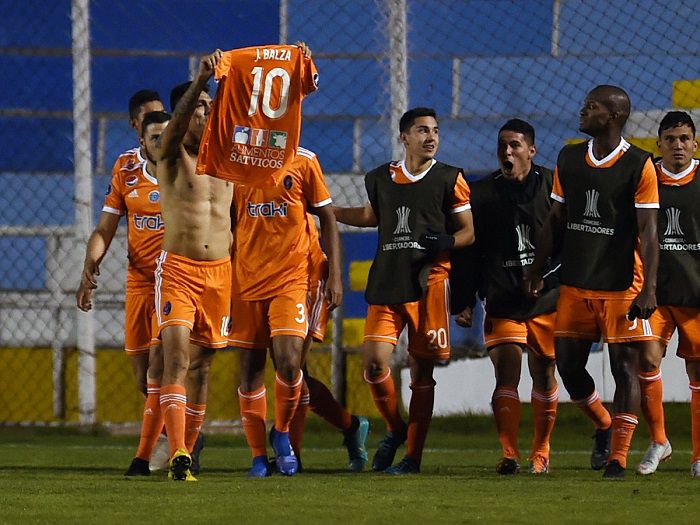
{"x":65,"y":476}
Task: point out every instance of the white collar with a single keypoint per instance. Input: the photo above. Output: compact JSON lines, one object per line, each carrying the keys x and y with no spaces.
{"x":418,"y":176}
{"x":677,"y":176}
{"x":623,"y":145}
{"x":149,"y":177}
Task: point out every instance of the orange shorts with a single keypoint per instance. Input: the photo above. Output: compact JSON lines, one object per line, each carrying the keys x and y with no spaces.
{"x":140,"y":322}
{"x":537,"y":334}
{"x":318,"y":304}
{"x":255,"y":323}
{"x":428,"y":323}
{"x":582,"y":318}
{"x":687,"y":320}
{"x":195,"y":294}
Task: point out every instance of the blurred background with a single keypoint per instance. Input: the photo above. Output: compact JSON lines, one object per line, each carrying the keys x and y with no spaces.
{"x":68,"y":69}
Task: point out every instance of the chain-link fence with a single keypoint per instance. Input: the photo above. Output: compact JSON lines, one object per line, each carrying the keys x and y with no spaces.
{"x":70,"y":68}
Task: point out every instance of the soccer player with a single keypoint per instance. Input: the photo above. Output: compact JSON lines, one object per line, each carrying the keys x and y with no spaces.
{"x":604,"y":217}
{"x":509,"y":207}
{"x":678,"y":285}
{"x":193,"y":271}
{"x":314,"y":394}
{"x":269,"y":296}
{"x":421,"y":207}
{"x":142,"y":102}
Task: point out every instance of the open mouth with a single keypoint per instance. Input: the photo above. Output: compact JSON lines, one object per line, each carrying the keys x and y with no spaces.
{"x":507,"y":165}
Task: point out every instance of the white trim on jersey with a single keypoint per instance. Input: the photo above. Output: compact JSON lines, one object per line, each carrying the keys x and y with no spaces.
{"x":557,"y":198}
{"x":418,"y":176}
{"x":677,"y":176}
{"x":463,"y":207}
{"x":646,"y":204}
{"x":305,"y":152}
{"x":322,"y":203}
{"x":150,"y":178}
{"x":622,"y":146}
{"x":113,"y":211}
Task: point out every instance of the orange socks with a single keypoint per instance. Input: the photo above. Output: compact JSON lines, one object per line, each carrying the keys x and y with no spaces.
{"x":286,"y":401}
{"x":194,"y":417}
{"x":594,"y":409}
{"x":386,"y":401}
{"x":506,"y":409}
{"x":623,"y":426}
{"x":151,"y":423}
{"x":652,"y":390}
{"x":296,"y":426}
{"x":173,"y":400}
{"x":253,"y":412}
{"x":544,"y":408}
{"x":695,"y":418}
{"x":324,"y":405}
{"x":420,"y":413}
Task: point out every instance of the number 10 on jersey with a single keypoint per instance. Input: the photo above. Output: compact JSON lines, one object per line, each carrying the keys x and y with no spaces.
{"x":266,"y":88}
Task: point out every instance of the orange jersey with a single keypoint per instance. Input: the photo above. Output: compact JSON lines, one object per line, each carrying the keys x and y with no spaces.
{"x":317,"y":258}
{"x":646,"y":196}
{"x":460,"y":203}
{"x":677,"y":179}
{"x":272,"y":239}
{"x":253,"y":128}
{"x":128,"y":159}
{"x":134,"y":192}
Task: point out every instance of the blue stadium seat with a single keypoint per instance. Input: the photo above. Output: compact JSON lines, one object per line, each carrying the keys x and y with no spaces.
{"x":348,"y":87}
{"x":36,"y":23}
{"x":331,"y":140}
{"x":41,"y":82}
{"x":430,"y":84}
{"x":36,"y":144}
{"x":353,"y":28}
{"x":183,"y":25}
{"x":481,"y":27}
{"x":25,"y":269}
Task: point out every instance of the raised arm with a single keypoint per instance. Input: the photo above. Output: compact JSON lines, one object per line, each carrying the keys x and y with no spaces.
{"x":363,"y":217}
{"x":97,"y":247}
{"x":331,"y":244}
{"x":171,"y":138}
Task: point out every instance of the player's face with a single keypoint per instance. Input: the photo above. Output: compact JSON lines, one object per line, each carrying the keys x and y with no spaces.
{"x":514,"y":154}
{"x":594,"y":116}
{"x":200,"y":115}
{"x":422,"y":139}
{"x":677,"y":146}
{"x":153,"y":105}
{"x":149,"y":141}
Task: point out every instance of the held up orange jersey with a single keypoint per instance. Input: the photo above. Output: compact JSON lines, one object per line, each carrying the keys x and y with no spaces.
{"x":272,"y":240}
{"x":253,"y":128}
{"x":134,"y":192}
{"x":128,"y":159}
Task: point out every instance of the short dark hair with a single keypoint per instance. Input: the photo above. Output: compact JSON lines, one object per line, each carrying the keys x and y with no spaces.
{"x":408,"y":118}
{"x":140,"y":98}
{"x":520,"y":126}
{"x":179,"y":90}
{"x":154,"y":117}
{"x":673,"y":119}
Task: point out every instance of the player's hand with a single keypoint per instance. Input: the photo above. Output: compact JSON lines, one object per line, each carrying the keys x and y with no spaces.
{"x":208,"y":63}
{"x":532,"y":283}
{"x":333,"y":291}
{"x":643,"y":306}
{"x":464,"y":318}
{"x":437,"y":242}
{"x":304,"y":48}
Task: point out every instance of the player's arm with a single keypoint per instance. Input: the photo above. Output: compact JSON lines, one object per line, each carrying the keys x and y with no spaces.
{"x":364,"y":217}
{"x":171,"y":138}
{"x":547,"y":242}
{"x":645,"y":303}
{"x":97,"y":247}
{"x":331,"y":245}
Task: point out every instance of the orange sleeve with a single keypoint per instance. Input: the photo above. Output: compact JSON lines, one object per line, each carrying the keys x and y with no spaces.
{"x":224,"y":65}
{"x":557,"y":190}
{"x":114,"y":198}
{"x":315,"y":187}
{"x":647,"y":194}
{"x":309,"y":76}
{"x":461,"y":196}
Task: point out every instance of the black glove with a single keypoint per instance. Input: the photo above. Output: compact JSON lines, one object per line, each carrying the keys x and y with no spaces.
{"x":437,"y":242}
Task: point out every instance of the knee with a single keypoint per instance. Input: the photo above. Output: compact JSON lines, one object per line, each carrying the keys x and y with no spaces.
{"x":375,"y":369}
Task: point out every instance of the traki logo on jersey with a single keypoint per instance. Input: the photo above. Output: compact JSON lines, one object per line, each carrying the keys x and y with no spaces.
{"x":267,"y":209}
{"x":149,"y":222}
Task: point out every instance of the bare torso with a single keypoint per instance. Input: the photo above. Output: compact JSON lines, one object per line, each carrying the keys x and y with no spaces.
{"x":196,"y":210}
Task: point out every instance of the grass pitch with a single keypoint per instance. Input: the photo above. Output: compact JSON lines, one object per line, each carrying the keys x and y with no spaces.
{"x":65,"y":476}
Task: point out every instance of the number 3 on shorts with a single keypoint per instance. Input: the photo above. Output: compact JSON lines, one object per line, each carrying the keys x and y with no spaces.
{"x":302,"y":313}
